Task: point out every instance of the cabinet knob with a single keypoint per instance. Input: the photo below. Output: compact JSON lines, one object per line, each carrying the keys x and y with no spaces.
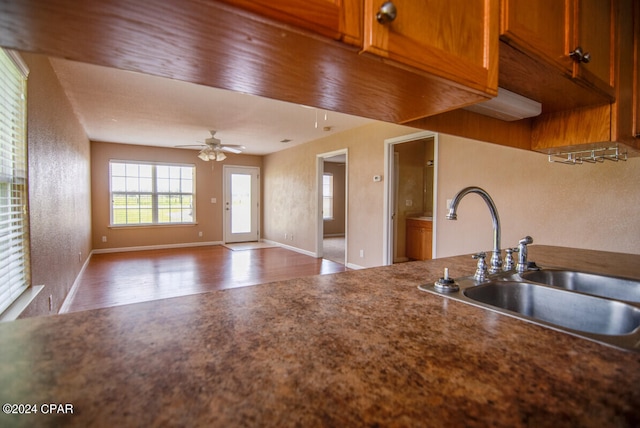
{"x":387,"y":13}
{"x":579,"y":56}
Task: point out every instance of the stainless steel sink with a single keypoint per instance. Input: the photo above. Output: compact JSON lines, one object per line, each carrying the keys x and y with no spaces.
{"x":599,"y":285}
{"x":612,"y":317}
{"x":576,"y":311}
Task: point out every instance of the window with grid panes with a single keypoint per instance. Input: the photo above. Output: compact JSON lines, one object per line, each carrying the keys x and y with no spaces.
{"x":151,"y":193}
{"x":327,"y":196}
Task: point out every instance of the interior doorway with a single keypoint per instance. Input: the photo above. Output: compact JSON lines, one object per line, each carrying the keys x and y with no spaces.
{"x":332,"y":187}
{"x":241,"y":203}
{"x":410,"y":197}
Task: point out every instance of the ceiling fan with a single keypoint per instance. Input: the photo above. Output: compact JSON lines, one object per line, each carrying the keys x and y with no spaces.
{"x":213,"y":149}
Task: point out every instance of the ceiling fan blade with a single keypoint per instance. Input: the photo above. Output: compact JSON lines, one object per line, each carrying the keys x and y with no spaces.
{"x":232,"y":148}
{"x":190,"y":145}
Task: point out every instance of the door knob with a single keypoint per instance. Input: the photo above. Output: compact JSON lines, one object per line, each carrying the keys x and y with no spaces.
{"x":387,"y":13}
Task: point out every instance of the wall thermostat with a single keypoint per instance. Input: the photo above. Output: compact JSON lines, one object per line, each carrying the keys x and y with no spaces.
{"x":377,"y":178}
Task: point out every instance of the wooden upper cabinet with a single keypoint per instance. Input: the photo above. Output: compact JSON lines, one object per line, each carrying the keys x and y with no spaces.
{"x":453,"y":39}
{"x":605,"y":125}
{"x":551,"y":30}
{"x":624,"y":111}
{"x":338,"y":19}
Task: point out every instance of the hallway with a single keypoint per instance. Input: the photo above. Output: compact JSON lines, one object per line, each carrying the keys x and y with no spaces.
{"x":333,"y":248}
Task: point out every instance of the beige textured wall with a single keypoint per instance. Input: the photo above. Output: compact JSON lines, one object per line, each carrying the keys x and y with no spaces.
{"x":208,"y":185}
{"x":592,"y":206}
{"x":59,"y":188}
{"x":335,"y":226}
{"x":587,"y":206}
{"x":290,"y":204}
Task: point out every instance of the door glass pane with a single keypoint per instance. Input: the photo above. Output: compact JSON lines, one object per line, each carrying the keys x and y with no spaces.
{"x":240,"y":203}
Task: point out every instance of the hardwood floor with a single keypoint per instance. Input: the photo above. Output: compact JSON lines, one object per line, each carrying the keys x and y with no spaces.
{"x":114,"y":279}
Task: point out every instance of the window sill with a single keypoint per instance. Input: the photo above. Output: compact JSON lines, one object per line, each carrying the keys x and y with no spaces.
{"x":20,"y":304}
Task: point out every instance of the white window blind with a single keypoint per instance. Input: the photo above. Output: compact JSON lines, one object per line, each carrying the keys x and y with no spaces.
{"x":327,"y":196}
{"x":14,"y":227}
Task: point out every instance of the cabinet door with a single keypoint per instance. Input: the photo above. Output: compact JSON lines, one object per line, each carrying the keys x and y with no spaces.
{"x":549,"y":30}
{"x":541,"y":28}
{"x":339,"y":19}
{"x":414,"y":242}
{"x":426,"y":243}
{"x":595,"y":33}
{"x":453,"y":39}
{"x":418,"y":241}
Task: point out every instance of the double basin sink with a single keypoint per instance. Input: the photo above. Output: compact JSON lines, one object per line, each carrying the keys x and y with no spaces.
{"x":601,"y":308}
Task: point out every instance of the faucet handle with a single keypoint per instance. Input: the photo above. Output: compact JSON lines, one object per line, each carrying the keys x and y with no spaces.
{"x":481,"y":268}
{"x":508,"y":260}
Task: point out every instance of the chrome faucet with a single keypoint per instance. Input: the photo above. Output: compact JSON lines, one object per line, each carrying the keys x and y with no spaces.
{"x":496,"y":257}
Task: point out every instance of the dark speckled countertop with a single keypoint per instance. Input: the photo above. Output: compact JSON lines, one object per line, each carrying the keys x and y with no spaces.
{"x":360,"y":348}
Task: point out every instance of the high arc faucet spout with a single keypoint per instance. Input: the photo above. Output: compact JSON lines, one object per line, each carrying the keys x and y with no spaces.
{"x":496,"y":257}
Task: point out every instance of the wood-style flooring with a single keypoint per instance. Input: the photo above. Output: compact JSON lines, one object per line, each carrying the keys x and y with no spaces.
{"x":114,"y":279}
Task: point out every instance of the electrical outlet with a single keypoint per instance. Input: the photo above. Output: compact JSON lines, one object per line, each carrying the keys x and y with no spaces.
{"x":409,"y":203}
{"x":80,"y":256}
{"x":285,"y":236}
{"x":104,"y":239}
{"x":362,"y":253}
{"x":200,"y":234}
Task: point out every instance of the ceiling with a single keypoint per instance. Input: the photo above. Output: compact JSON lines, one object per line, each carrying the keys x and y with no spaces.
{"x":125,"y":107}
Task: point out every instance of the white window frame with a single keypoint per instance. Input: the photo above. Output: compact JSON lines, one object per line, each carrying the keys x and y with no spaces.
{"x":15,"y":264}
{"x":154,"y":194}
{"x":327,"y":197}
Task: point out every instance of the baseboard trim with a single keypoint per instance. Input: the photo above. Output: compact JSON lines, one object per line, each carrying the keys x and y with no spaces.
{"x":156,"y":247}
{"x":74,"y":287}
{"x":289,"y":247}
{"x":355,"y":267}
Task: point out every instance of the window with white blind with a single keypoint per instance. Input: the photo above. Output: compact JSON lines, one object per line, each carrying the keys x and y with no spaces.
{"x":327,"y":196}
{"x":14,"y":218}
{"x":151,"y":193}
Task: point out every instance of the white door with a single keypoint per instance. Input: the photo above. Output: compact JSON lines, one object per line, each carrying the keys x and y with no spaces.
{"x":241,"y":203}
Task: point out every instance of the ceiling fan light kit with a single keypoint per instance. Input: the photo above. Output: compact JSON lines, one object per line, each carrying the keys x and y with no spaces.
{"x":208,"y":154}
